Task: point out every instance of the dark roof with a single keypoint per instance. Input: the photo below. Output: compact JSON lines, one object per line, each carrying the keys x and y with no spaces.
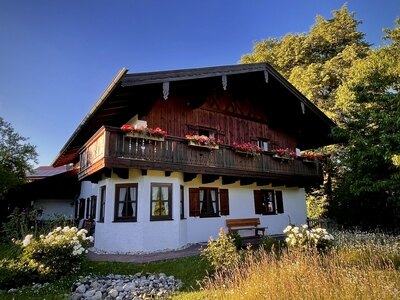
{"x":46,"y":171}
{"x":120,"y":100}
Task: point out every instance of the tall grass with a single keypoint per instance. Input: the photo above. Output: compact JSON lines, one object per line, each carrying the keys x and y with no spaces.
{"x":363,"y":270}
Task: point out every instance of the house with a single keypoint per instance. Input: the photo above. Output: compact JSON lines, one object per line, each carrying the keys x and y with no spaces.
{"x":50,"y":191}
{"x":148,"y":191}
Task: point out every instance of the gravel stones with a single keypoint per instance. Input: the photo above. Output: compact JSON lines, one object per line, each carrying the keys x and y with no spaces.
{"x":120,"y":287}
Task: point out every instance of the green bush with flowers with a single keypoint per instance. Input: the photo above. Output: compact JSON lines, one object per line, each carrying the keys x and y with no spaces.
{"x":306,"y":238}
{"x":48,"y":257}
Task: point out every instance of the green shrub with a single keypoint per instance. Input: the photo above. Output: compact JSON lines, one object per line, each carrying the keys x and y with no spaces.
{"x":221,"y":253}
{"x":237,"y":239}
{"x":46,"y":258}
{"x":16,"y":273}
{"x":270,"y":244}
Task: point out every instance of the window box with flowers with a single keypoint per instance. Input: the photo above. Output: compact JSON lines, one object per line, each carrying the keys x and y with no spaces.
{"x":309,"y":157}
{"x":144,"y":132}
{"x":284,"y":154}
{"x":247,"y":149}
{"x":203,"y":141}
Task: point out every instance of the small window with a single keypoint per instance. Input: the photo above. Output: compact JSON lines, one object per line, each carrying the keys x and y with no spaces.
{"x":263,"y":144}
{"x":93,"y":202}
{"x":268,"y":202}
{"x":161,"y":201}
{"x":81,"y":209}
{"x":88,"y":208}
{"x":126,"y":202}
{"x":182,"y":201}
{"x":102,"y":203}
{"x":208,"y":202}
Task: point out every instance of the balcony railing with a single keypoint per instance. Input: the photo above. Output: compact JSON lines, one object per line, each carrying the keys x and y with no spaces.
{"x":111,"y":148}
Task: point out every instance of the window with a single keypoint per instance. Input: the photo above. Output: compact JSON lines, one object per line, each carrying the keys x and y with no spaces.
{"x":263,"y":144}
{"x":81,"y":210}
{"x":268,"y":202}
{"x":93,"y":202}
{"x":208,"y":202}
{"x":126,"y":202}
{"x":102,"y":203}
{"x":182,"y":203}
{"x":161,"y":201}
{"x":88,"y":208}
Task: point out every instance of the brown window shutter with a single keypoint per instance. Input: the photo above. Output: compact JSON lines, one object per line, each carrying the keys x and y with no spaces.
{"x":279,"y":202}
{"x":224,"y":202}
{"x":194,"y":202}
{"x":258,"y":203}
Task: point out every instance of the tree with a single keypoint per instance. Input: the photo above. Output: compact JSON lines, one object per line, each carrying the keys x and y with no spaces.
{"x":316,"y":62}
{"x":16,"y":158}
{"x":371,"y":119}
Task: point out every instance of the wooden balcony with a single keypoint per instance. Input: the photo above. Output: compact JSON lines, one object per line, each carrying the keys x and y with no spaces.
{"x":110,"y":149}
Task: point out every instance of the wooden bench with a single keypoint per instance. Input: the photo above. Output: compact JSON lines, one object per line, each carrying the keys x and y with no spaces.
{"x":234,"y":225}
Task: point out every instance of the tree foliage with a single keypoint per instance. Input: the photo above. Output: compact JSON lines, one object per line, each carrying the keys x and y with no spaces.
{"x":316,"y":62}
{"x":357,"y":87}
{"x":371,"y":127}
{"x":16,"y":157}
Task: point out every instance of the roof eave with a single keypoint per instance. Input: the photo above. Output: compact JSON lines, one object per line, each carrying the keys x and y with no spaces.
{"x":96,"y":106}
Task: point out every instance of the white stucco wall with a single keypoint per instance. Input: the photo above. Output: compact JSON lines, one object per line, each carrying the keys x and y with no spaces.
{"x":54,"y":207}
{"x":148,"y":236}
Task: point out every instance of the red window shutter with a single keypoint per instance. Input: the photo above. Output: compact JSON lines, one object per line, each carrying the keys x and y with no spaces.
{"x":194,"y":202}
{"x":224,"y":202}
{"x":279,"y":202}
{"x":258,"y":202}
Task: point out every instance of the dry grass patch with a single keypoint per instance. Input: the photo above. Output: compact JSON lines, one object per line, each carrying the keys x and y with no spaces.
{"x":304,"y":275}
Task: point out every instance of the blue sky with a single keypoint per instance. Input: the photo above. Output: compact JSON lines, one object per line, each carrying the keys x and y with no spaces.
{"x":57,"y":57}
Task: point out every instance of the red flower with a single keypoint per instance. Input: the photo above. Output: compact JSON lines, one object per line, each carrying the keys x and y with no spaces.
{"x":126,"y":128}
{"x":247,"y":147}
{"x":285,"y":152}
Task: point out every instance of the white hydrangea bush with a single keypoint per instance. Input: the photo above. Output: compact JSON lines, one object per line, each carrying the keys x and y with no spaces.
{"x":306,"y":238}
{"x":59,"y":252}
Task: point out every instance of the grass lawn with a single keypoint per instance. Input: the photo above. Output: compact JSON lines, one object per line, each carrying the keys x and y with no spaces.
{"x":188,"y":269}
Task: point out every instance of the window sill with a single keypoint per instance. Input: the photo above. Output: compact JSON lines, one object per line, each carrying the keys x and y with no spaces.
{"x":163,"y":219}
{"x":210,"y":216}
{"x":124,"y":220}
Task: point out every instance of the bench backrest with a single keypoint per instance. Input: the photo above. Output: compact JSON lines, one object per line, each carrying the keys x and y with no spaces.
{"x":242,"y":222}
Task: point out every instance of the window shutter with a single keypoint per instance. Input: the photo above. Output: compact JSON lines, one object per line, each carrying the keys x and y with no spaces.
{"x":224,"y":202}
{"x":279,"y":202}
{"x":194,"y":202}
{"x":258,"y":203}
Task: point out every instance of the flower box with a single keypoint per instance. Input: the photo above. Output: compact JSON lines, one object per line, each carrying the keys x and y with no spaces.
{"x":246,"y":153}
{"x":247,"y":149}
{"x":283,"y":158}
{"x":143,"y":132}
{"x":313,"y":161}
{"x":210,"y":147}
{"x":144,"y":136}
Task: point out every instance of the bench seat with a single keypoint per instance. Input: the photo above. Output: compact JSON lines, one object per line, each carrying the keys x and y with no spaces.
{"x":234,"y":225}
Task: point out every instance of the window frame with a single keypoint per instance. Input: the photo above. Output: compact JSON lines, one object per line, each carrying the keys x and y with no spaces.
{"x":262,"y":202}
{"x":182,"y":202}
{"x":102,"y":204}
{"x":93,"y":206}
{"x":127,"y":196}
{"x":222,"y":202}
{"x":262,"y":143}
{"x":168,"y":201}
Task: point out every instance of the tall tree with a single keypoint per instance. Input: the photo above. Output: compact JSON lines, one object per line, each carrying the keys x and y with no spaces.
{"x":370,"y":102}
{"x":16,"y":158}
{"x":316,"y":62}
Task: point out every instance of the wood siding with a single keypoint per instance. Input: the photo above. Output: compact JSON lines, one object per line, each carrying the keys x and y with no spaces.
{"x":234,"y":120}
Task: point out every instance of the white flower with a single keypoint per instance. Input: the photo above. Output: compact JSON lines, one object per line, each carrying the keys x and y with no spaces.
{"x":27,"y":240}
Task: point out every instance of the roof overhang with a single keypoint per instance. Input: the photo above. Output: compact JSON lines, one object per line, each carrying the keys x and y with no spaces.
{"x":124,"y":97}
